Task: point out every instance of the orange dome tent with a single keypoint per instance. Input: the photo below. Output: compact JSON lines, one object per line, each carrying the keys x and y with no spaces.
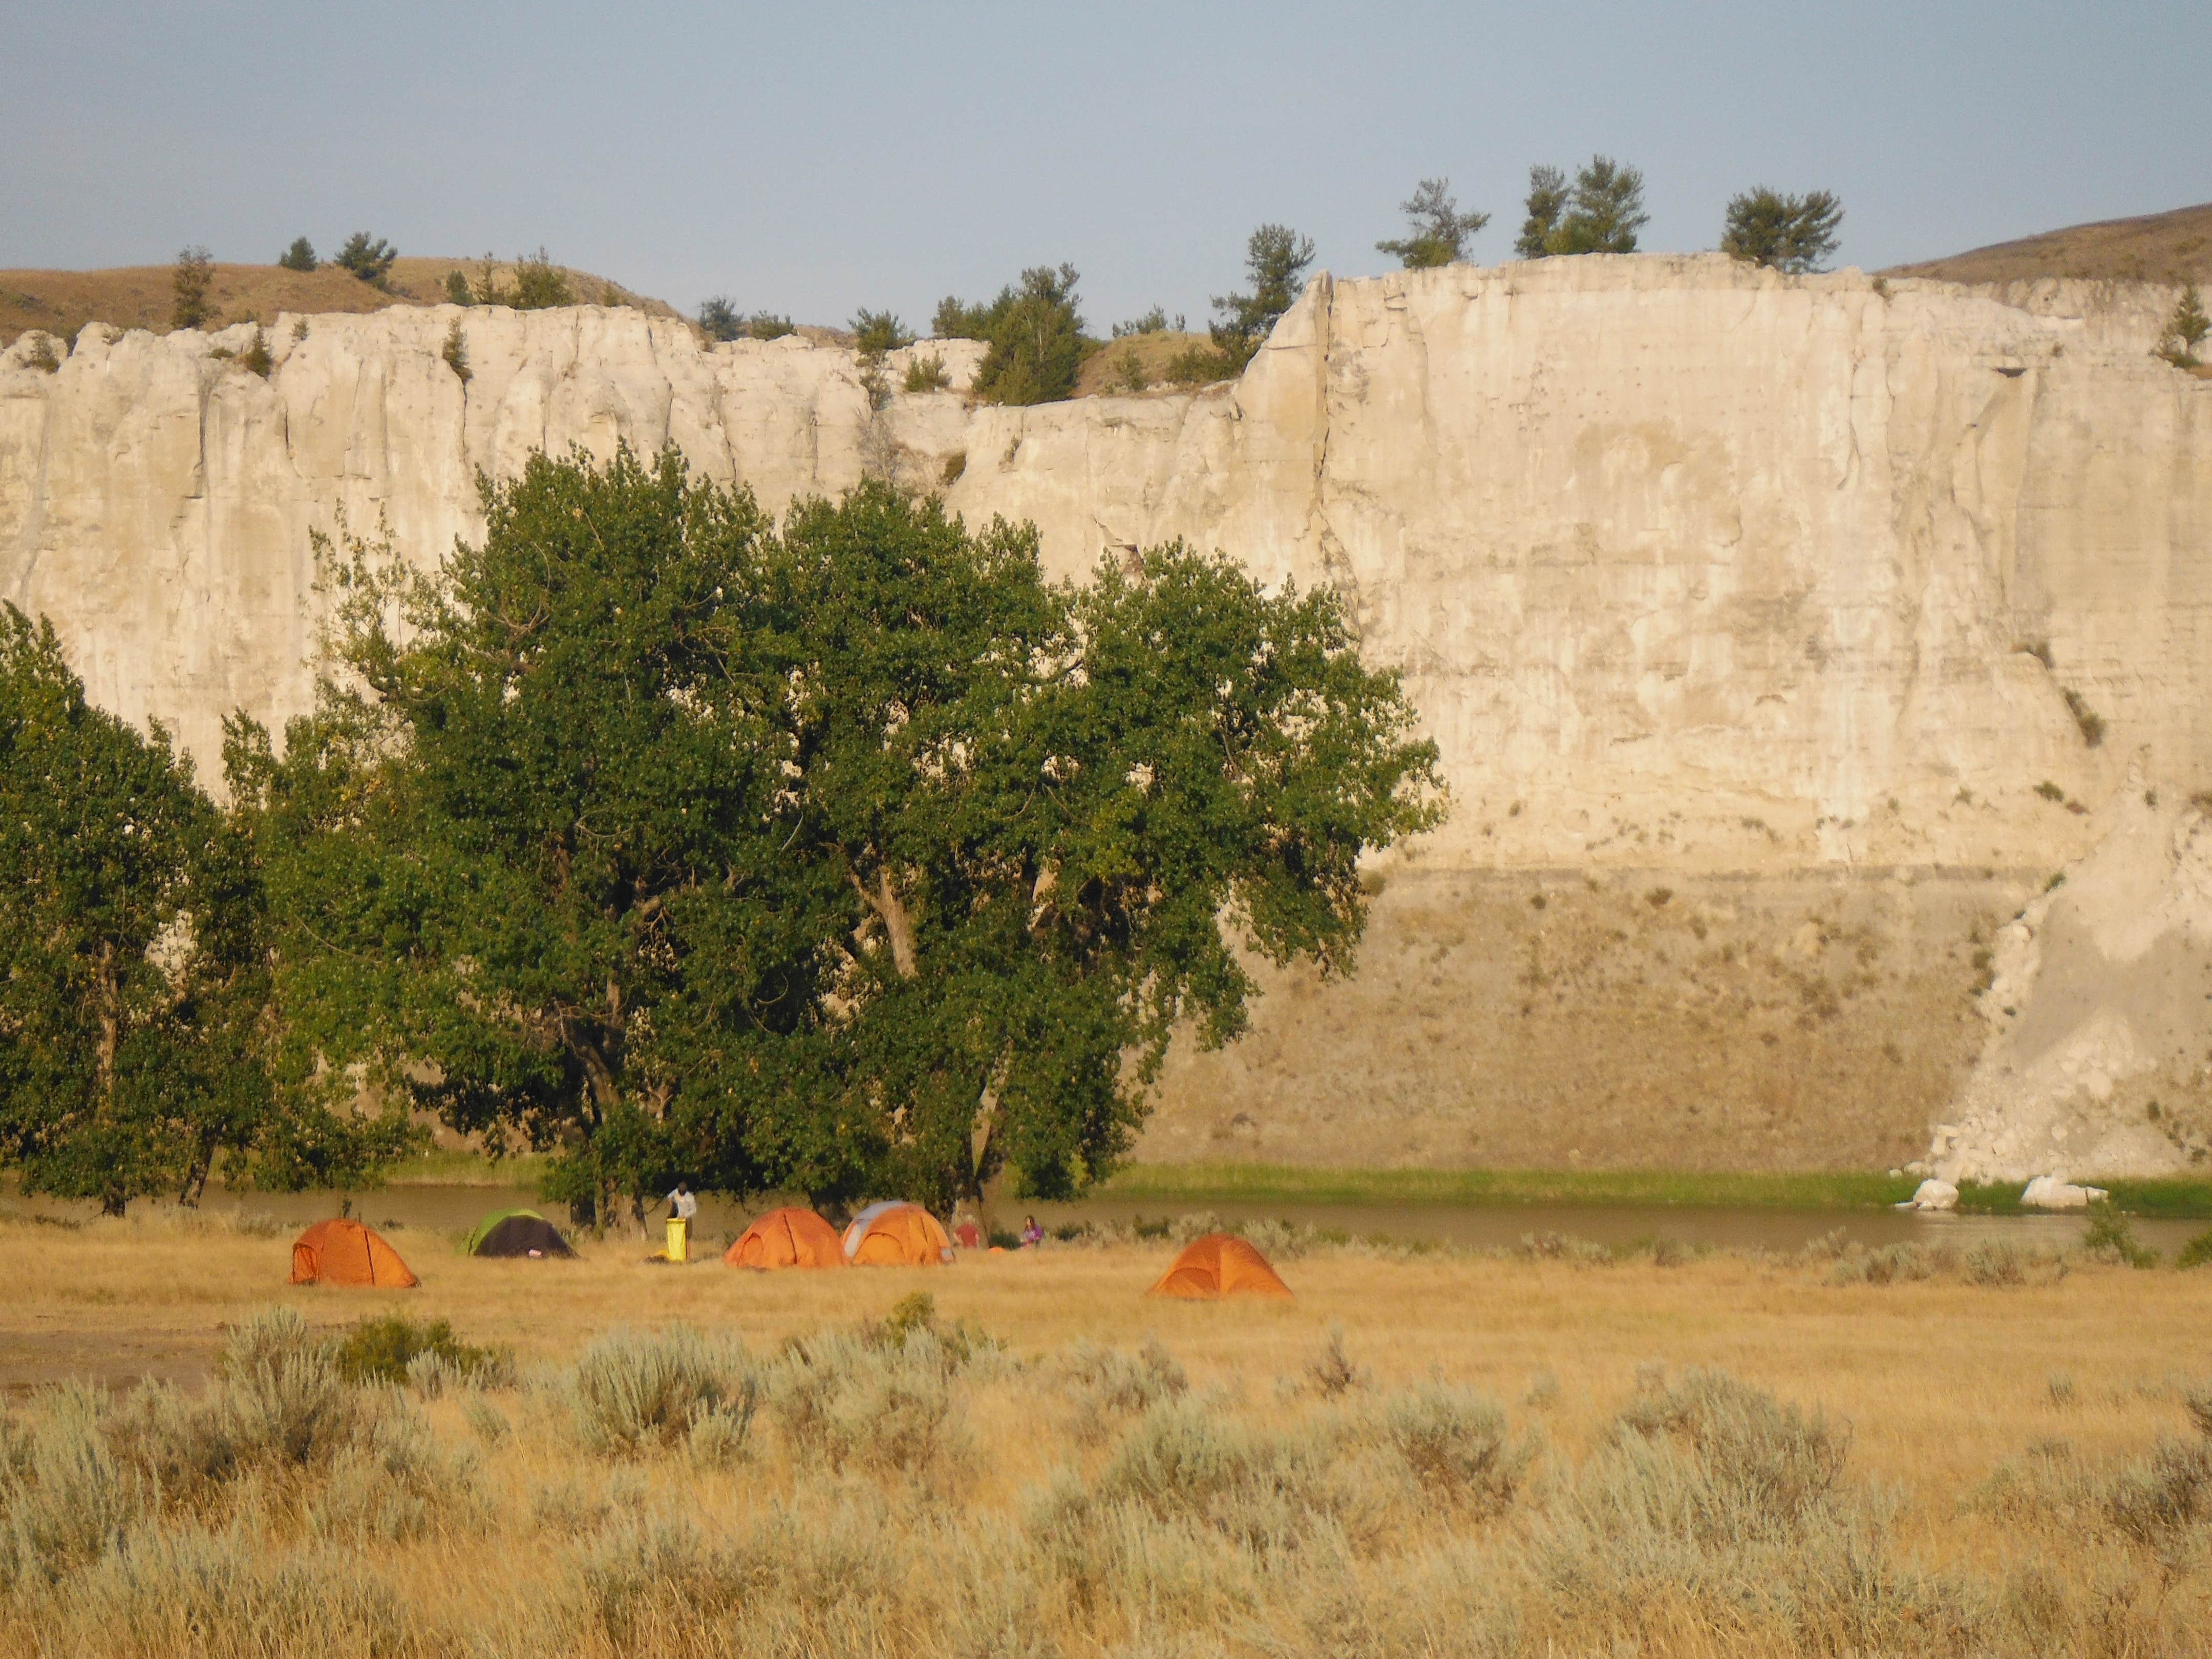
{"x":1216,"y":1266}
{"x":347,"y":1253}
{"x":787,"y":1238}
{"x":892,"y":1235}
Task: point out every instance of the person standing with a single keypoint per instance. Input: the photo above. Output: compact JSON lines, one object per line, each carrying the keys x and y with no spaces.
{"x":681,"y":1206}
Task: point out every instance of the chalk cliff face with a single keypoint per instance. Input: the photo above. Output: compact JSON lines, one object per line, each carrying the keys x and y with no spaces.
{"x":1809,"y":602}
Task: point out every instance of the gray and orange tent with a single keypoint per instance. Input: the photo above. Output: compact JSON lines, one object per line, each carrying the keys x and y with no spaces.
{"x":518,"y":1233}
{"x":1220,"y":1265}
{"x":342,"y":1252}
{"x":789,"y":1237}
{"x":896,"y":1235}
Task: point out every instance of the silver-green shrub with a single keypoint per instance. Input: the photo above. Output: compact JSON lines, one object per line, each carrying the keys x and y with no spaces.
{"x":632,"y":1393}
{"x":282,"y":1396}
{"x":1456,"y":1441}
{"x":64,"y":1497}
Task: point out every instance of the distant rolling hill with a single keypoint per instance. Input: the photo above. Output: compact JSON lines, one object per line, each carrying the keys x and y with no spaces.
{"x":2159,"y":247}
{"x":139,"y":296}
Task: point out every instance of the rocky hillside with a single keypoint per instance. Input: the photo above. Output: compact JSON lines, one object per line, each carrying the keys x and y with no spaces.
{"x":1783,"y":636}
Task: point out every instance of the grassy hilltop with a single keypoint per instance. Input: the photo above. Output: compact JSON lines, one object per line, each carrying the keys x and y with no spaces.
{"x":2156,"y":248}
{"x":142,"y":296}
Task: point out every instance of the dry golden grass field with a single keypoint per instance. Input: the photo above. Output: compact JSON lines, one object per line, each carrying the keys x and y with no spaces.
{"x":1517,"y":1453}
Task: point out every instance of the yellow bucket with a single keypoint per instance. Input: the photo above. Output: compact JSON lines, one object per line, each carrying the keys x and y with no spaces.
{"x":679,"y":1239}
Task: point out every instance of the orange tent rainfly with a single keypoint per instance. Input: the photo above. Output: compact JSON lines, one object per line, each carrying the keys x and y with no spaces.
{"x":787,"y":1238}
{"x":1220,"y":1265}
{"x":347,"y":1253}
{"x":896,"y":1236}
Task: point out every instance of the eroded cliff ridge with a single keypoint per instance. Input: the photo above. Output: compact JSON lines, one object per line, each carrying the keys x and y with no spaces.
{"x":1782,"y":635}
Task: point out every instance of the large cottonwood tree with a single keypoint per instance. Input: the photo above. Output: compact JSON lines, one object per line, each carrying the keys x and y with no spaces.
{"x":854,"y":857}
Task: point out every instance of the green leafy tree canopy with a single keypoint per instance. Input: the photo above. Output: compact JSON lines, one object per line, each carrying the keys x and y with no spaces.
{"x":134,"y":1005}
{"x":1796,"y":234}
{"x":1276,"y":260}
{"x":1599,"y":212}
{"x":301,"y":255}
{"x":1436,"y":231}
{"x":851,"y":858}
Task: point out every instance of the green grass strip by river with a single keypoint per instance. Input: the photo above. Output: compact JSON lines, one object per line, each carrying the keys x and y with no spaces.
{"x":1260,"y":1184}
{"x":1215,"y":1183}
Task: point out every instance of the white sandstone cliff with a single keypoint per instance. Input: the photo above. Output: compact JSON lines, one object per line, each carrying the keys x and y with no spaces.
{"x":1692,"y":568}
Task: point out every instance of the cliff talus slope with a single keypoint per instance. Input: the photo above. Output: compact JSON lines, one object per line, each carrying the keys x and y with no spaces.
{"x":1838,"y":613}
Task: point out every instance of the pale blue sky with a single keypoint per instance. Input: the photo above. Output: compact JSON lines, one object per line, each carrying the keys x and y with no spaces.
{"x":816,"y":157}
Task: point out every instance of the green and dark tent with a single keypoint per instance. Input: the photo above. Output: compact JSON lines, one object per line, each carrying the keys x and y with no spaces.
{"x":517,"y":1232}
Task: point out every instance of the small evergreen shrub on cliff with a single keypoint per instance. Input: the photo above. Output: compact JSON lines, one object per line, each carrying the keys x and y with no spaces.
{"x":2185,"y":329}
{"x":719,"y":319}
{"x":188,"y":282}
{"x":457,"y":350}
{"x":876,"y":332}
{"x":1034,"y":334}
{"x":926,"y":374}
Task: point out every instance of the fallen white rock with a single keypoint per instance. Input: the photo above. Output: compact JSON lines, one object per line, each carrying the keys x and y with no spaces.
{"x":1933,"y":1194}
{"x":2049,"y":1192}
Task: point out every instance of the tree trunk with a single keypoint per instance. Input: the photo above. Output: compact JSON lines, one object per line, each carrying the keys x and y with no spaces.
{"x":111,"y":1025}
{"x":898,"y":921}
{"x":979,"y":1138}
{"x":113,"y":1199}
{"x":898,"y":926}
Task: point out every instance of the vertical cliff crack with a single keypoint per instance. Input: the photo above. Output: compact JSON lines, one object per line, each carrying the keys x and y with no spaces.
{"x":1333,"y":559}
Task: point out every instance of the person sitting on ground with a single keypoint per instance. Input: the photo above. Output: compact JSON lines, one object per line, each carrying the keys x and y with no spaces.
{"x":1032,"y":1235}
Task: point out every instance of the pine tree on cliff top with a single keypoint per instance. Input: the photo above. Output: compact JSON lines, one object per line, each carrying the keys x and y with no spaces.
{"x":1600,"y":213}
{"x":1436,"y":230}
{"x":1276,"y":260}
{"x":1796,"y":234}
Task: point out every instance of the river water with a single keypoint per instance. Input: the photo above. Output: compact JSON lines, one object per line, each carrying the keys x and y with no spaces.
{"x":455,"y":1209}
